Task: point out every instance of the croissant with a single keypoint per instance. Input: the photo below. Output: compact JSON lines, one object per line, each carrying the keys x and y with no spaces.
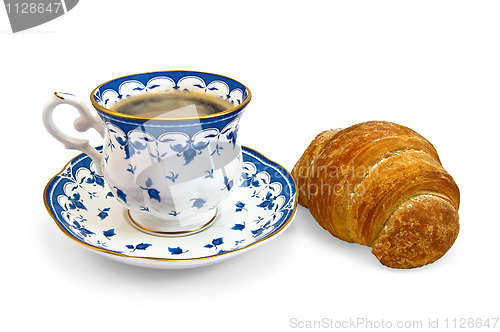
{"x":382,"y":185}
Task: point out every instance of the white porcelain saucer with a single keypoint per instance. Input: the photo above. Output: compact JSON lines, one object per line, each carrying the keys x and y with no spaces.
{"x":261,"y":206}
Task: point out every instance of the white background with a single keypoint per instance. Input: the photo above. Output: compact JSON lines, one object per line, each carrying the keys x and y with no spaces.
{"x":311,"y":65}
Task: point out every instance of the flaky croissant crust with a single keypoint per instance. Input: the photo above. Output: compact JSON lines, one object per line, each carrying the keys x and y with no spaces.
{"x":382,"y":185}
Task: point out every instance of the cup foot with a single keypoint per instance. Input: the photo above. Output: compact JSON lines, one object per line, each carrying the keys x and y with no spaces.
{"x":169,"y":227}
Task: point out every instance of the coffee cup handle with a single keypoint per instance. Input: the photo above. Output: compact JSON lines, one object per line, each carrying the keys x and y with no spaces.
{"x":83,"y":123}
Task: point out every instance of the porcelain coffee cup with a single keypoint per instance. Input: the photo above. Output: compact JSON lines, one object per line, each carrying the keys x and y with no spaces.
{"x":170,"y":174}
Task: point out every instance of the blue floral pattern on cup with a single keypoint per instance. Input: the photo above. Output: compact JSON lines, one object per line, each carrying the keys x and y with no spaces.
{"x":183,"y":151}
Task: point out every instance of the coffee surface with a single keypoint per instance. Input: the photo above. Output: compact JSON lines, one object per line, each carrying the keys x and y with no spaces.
{"x":171,"y":105}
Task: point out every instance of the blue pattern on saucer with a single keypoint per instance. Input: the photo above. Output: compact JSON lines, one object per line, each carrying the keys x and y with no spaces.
{"x":261,"y":205}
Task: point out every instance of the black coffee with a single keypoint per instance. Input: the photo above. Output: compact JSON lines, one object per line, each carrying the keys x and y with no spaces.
{"x":171,"y":105}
